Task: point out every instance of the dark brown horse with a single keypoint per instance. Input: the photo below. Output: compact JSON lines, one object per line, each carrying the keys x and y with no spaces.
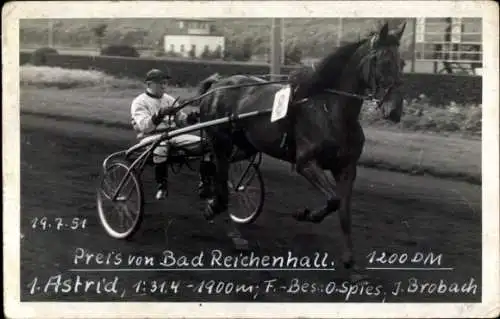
{"x":321,"y":134}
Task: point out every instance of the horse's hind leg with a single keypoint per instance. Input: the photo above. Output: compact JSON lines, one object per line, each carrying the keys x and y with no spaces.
{"x":219,"y":202}
{"x":222,"y":149}
{"x":323,"y":182}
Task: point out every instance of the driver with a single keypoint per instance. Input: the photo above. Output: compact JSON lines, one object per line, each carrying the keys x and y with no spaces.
{"x":152,"y":110}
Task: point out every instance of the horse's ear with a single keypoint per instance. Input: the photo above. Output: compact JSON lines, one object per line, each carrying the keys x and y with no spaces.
{"x":384,"y":31}
{"x":401,"y":30}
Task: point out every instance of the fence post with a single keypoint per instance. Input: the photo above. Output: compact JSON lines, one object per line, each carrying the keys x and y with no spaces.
{"x":275,"y":48}
{"x":414,"y":46}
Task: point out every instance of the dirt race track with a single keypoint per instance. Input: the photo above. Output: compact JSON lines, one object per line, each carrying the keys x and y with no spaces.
{"x":392,"y":212}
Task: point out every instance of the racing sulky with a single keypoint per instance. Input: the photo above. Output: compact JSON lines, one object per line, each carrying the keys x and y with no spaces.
{"x":321,"y":135}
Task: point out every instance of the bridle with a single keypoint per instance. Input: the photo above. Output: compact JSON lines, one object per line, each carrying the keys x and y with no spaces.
{"x":368,"y":63}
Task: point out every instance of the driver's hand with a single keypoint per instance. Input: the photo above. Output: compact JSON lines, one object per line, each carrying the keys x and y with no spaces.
{"x":192,"y":118}
{"x":166,"y":110}
{"x":181,"y":116}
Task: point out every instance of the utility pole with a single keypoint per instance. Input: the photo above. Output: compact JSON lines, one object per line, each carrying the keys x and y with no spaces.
{"x":275,"y":48}
{"x":51,"y":33}
{"x":283,"y":42}
{"x":414,"y":45}
{"x":339,"y":32}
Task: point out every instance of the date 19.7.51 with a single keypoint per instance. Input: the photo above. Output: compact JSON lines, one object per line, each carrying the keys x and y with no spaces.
{"x":58,"y":223}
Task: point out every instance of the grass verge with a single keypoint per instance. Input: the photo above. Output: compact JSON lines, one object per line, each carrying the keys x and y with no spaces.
{"x":421,"y":116}
{"x":44,"y":76}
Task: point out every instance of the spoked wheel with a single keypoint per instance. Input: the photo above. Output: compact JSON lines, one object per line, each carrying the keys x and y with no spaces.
{"x":246,"y":192}
{"x":120,"y":217}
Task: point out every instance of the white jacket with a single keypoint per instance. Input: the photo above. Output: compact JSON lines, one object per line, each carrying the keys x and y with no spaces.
{"x":144,"y":108}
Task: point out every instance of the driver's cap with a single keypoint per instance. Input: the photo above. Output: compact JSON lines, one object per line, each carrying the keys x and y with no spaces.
{"x":155,"y":75}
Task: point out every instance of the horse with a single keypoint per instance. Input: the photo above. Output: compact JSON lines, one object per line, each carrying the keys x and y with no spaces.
{"x":321,"y":135}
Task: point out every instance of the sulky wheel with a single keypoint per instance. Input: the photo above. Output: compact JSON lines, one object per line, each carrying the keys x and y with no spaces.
{"x":120,"y":217}
{"x":246,"y":192}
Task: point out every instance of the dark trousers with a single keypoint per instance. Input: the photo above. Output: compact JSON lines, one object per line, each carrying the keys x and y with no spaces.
{"x":161,"y":171}
{"x":207,"y":171}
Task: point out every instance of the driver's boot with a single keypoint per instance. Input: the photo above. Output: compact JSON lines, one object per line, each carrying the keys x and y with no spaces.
{"x":207,"y":172}
{"x":161,"y":171}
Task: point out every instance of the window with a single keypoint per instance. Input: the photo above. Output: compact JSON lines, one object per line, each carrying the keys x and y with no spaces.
{"x":182,"y":47}
{"x":172,"y":47}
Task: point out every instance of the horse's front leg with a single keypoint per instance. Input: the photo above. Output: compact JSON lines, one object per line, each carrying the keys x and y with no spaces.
{"x":345,"y":182}
{"x":324,"y":183}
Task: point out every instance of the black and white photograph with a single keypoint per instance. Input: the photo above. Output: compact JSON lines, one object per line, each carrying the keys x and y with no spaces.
{"x":251,"y":159}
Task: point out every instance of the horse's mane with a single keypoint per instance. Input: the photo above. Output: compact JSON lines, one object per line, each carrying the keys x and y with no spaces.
{"x":326,"y":74}
{"x":330,"y":68}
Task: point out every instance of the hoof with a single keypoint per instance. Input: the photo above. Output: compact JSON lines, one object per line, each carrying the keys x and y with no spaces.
{"x":333,"y":205}
{"x":240,"y":244}
{"x":355,"y":273}
{"x":316,"y":219}
{"x":204,"y":193}
{"x":211,"y":210}
{"x":204,"y":190}
{"x":302,"y":215}
{"x":359,"y":278}
{"x":349,"y":265}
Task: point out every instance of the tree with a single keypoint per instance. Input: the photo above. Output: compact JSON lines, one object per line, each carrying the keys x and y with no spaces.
{"x":99,"y":32}
{"x":134,"y":37}
{"x":192,"y":53}
{"x":217,"y":54}
{"x":293,"y":54}
{"x":206,"y":53}
{"x":247,"y":49}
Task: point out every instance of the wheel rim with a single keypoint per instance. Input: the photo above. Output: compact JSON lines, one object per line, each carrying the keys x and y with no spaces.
{"x":119,"y":218}
{"x":246,"y":201}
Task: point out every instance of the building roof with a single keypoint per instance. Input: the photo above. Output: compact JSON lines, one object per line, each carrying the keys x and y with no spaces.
{"x":181,"y":32}
{"x":175,"y":30}
{"x":194,"y":20}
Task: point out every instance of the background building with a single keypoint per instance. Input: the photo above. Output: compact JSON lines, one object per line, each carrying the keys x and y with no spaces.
{"x":194,"y":36}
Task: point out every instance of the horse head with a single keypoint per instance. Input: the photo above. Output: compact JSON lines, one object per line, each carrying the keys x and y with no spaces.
{"x":392,"y":107}
{"x":381,"y":70}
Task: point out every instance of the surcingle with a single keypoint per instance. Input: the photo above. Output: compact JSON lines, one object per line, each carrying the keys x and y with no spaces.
{"x":301,"y":83}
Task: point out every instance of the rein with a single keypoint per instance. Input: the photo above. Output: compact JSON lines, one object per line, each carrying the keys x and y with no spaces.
{"x":369,"y":97}
{"x":227,"y":87}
